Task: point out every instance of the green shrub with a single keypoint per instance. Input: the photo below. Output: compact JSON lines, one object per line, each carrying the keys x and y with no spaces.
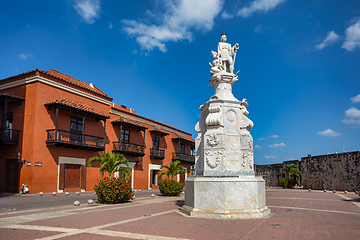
{"x":170,"y":187}
{"x":284,"y":182}
{"x":292,"y":183}
{"x":287,"y":183}
{"x":113,"y":190}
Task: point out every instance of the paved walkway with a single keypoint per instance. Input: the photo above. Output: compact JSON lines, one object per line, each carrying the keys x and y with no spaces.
{"x":296,"y":214}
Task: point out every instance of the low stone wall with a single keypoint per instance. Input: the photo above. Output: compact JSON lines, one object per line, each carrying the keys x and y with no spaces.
{"x":271,"y":173}
{"x":339,"y":171}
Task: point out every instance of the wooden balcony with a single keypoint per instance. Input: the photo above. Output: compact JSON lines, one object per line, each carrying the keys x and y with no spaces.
{"x":9,"y":136}
{"x":188,"y":158}
{"x":157,"y":153}
{"x":128,"y":149}
{"x":57,"y":137}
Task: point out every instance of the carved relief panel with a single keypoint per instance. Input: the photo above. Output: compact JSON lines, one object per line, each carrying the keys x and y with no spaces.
{"x":247,"y":160}
{"x":212,"y":140}
{"x":214,"y":158}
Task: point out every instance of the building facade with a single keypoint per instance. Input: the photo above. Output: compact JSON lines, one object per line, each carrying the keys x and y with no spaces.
{"x":52,"y":124}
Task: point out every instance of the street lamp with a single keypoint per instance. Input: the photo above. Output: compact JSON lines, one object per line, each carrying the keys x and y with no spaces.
{"x":343,"y":143}
{"x":18,"y":157}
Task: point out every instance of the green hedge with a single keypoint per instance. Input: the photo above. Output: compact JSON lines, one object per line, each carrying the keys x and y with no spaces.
{"x":287,"y":183}
{"x":170,"y":187}
{"x":113,"y":190}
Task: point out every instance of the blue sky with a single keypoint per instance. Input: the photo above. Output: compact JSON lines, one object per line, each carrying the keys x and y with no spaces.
{"x":299,"y":61}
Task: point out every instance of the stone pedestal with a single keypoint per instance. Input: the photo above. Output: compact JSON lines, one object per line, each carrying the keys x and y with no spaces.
{"x":225,"y":197}
{"x":224,"y":185}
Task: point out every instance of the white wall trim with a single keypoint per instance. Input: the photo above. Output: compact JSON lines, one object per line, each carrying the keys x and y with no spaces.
{"x":185,"y":174}
{"x":58,"y":180}
{"x":117,"y":174}
{"x":54,"y":84}
{"x":148,"y":122}
{"x":132,"y":178}
{"x":72,"y":160}
{"x":152,"y":167}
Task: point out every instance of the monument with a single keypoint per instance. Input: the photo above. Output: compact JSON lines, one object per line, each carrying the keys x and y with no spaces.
{"x":224,"y":185}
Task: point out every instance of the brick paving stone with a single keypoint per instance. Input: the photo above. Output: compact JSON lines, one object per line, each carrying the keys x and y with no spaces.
{"x":177,"y":225}
{"x":306,"y":199}
{"x":86,"y":236}
{"x":296,"y":214}
{"x":298,"y":224}
{"x":9,"y":233}
{"x":108,"y":214}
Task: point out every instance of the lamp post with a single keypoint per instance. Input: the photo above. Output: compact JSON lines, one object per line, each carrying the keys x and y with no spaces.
{"x":18,"y":157}
{"x":343,"y":144}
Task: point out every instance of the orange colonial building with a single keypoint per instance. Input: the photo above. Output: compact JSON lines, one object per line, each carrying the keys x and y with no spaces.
{"x":52,"y":124}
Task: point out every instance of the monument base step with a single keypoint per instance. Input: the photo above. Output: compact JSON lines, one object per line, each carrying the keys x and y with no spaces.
{"x":225,"y":197}
{"x":244,"y":214}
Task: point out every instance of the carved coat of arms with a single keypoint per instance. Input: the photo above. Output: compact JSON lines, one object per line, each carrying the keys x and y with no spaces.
{"x":213,"y":140}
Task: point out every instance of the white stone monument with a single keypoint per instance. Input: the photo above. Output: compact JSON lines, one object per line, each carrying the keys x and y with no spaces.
{"x":224,"y":185}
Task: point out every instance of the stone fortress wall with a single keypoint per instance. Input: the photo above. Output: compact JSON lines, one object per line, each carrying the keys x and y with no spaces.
{"x":340,"y":171}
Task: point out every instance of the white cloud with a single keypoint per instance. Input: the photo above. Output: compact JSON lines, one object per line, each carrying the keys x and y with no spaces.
{"x":331,"y":38}
{"x":329,"y":133}
{"x":258,"y":28}
{"x":88,"y":9}
{"x":351,"y":121}
{"x":258,"y":5}
{"x":258,"y":147}
{"x":226,"y":15}
{"x":271,"y":156}
{"x":352,"y":38}
{"x":277,"y":145}
{"x":352,"y":113}
{"x":25,"y":55}
{"x":352,"y":116}
{"x":355,"y":99}
{"x":177,"y":23}
{"x":274,"y":136}
{"x":110,"y":25}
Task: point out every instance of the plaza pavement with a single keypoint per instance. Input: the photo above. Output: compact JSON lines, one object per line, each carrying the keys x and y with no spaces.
{"x":296,"y":214}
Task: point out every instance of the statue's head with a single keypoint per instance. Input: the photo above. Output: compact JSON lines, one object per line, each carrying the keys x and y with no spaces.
{"x":223,"y":37}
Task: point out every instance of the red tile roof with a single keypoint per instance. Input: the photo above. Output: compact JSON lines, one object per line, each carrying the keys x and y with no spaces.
{"x":188,"y":139}
{"x":128,"y":121}
{"x":74,"y":81}
{"x":159,"y":130}
{"x":76,"y":105}
{"x":11,"y":95}
{"x":61,"y":78}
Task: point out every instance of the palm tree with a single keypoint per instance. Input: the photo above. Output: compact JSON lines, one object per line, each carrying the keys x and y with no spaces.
{"x":172,"y":169}
{"x":112,"y":163}
{"x":291,"y":171}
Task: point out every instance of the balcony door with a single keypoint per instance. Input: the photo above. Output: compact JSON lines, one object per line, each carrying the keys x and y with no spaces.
{"x":76,"y":129}
{"x":8,"y":126}
{"x":182,"y":148}
{"x":125,"y":136}
{"x":156,"y":142}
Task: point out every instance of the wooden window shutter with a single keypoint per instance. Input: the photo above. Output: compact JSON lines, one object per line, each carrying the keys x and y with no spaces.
{"x":62,"y":177}
{"x":83,"y":176}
